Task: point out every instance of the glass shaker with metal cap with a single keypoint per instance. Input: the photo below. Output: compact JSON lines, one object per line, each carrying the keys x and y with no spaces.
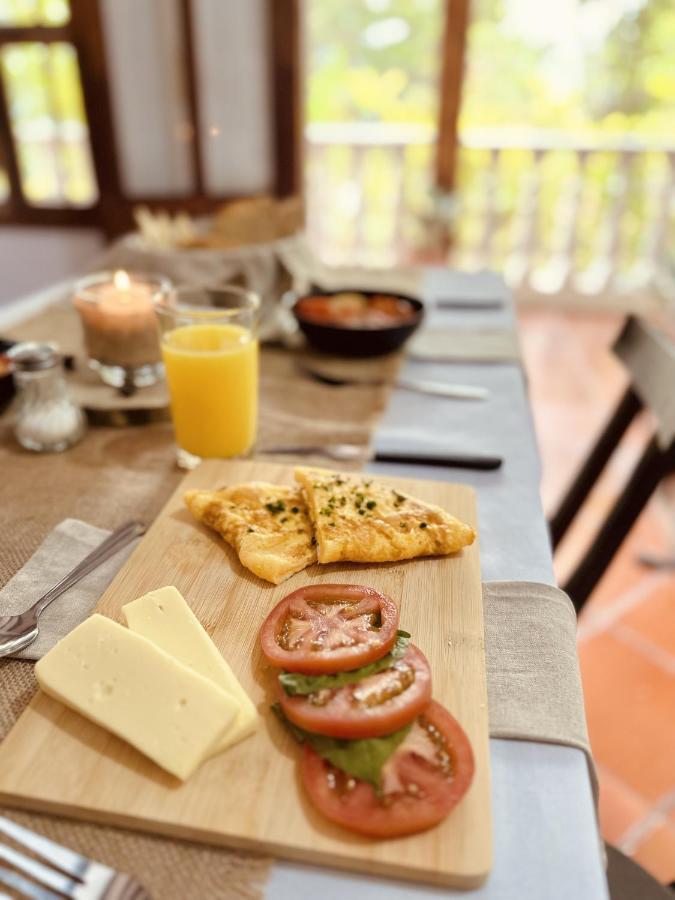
{"x":47,"y":419}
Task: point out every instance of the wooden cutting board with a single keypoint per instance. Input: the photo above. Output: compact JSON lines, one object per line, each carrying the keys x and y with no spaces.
{"x":250,"y":796}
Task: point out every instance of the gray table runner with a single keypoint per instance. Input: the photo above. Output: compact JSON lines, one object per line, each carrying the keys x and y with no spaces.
{"x":534,"y":685}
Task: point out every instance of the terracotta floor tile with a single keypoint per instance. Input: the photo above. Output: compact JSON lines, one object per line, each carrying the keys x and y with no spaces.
{"x":654,"y":617}
{"x":630,"y":708}
{"x":657,"y":853}
{"x":620,"y":807}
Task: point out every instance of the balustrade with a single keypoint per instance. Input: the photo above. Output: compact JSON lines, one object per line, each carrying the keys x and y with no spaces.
{"x":560,"y":217}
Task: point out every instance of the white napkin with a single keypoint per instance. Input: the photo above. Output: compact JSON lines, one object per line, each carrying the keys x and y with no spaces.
{"x":61,"y":551}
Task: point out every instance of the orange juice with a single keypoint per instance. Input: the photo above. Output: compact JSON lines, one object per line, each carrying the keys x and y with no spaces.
{"x":212,"y":373}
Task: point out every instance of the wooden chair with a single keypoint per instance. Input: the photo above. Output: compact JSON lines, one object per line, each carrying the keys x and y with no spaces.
{"x":629,"y":881}
{"x":649,"y":357}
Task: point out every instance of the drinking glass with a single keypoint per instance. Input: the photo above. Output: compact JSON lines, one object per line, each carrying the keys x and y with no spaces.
{"x":210,"y":351}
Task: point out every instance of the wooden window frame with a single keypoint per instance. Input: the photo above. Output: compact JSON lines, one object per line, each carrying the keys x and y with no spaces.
{"x":16,"y":210}
{"x":453,"y":52}
{"x":112,"y":211}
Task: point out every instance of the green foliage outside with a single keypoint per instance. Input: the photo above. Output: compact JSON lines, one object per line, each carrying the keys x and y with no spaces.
{"x":351,"y":80}
{"x":628,"y":84}
{"x":377,"y":61}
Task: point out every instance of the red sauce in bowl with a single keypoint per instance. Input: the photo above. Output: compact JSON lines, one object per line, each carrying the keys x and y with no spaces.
{"x":352,"y":310}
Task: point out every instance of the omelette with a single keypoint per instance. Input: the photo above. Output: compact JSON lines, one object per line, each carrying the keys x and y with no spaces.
{"x":267,"y":524}
{"x":361,"y":519}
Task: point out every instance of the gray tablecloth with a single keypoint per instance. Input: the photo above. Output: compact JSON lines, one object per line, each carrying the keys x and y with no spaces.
{"x":545,"y":830}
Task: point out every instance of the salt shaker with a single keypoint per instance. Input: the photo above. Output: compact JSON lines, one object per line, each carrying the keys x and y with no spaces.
{"x":47,"y":420}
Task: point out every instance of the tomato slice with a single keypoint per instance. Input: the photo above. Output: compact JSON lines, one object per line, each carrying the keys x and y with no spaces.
{"x":372,"y":707}
{"x":329,"y":628}
{"x":424,"y":779}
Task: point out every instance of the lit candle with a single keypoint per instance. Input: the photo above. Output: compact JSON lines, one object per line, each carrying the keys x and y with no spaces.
{"x":120,"y":328}
{"x":125,"y":305}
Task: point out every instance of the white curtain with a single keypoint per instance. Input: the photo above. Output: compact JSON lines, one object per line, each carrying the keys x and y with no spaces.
{"x":145,"y":56}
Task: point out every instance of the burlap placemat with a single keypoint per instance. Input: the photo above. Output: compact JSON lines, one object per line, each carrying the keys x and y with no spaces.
{"x":116,"y":474}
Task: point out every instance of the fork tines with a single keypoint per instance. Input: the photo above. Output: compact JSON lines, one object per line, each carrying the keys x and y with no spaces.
{"x":77,"y":877}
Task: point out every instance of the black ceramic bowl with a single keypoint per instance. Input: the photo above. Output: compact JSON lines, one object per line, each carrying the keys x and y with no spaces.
{"x":346,"y":340}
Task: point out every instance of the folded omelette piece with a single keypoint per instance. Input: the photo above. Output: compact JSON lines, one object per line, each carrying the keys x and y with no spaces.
{"x":267,"y":524}
{"x":361,"y":519}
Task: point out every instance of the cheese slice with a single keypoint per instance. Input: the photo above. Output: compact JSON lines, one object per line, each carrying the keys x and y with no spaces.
{"x":125,"y":683}
{"x":163,"y":617}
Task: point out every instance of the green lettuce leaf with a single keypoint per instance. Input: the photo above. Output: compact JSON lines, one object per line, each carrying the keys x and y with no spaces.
{"x":294,"y":683}
{"x":362,"y":759}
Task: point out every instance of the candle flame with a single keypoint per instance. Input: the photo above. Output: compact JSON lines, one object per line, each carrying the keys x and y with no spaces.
{"x":121,"y":280}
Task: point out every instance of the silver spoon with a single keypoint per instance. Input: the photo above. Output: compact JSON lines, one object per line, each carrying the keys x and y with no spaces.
{"x":17,"y":632}
{"x":439,"y":388}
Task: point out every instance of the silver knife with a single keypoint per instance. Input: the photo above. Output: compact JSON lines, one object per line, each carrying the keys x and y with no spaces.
{"x":442,"y":389}
{"x":361,"y":453}
{"x":469,"y":304}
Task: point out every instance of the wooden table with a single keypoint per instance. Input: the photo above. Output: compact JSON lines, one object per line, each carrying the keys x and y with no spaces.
{"x":546,"y":840}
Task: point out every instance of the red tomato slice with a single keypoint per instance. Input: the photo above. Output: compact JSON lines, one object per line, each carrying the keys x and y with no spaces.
{"x":329,"y":628}
{"x":424,"y":779}
{"x":372,"y":707}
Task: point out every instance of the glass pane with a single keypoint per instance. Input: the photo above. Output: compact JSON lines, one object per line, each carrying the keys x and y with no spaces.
{"x":68,"y":105}
{"x":4,"y":187}
{"x":55,"y":12}
{"x":49,"y":124}
{"x":18,"y":13}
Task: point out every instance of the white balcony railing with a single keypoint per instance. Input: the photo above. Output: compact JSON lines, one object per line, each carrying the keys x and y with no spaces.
{"x":561,"y":217}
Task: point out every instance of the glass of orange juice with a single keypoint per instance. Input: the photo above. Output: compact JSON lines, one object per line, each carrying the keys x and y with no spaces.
{"x":210,"y":353}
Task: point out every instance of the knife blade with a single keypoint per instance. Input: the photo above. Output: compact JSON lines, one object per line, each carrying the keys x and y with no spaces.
{"x":468,"y":304}
{"x":441,"y":389}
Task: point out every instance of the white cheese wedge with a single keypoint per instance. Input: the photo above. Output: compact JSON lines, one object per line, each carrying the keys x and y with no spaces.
{"x":164,"y":617}
{"x":130,"y":686}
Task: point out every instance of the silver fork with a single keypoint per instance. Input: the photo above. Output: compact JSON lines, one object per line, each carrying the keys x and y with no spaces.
{"x":79,"y":877}
{"x":17,"y":632}
{"x":338,"y":452}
